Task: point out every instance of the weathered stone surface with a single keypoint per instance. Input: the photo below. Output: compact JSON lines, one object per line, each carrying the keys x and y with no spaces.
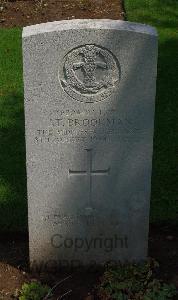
{"x":89,"y":109}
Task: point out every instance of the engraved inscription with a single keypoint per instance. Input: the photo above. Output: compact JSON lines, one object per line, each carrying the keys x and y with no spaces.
{"x":68,"y":219}
{"x":89,"y":172}
{"x":76,"y":126}
{"x":80,"y":218}
{"x":90,"y":73}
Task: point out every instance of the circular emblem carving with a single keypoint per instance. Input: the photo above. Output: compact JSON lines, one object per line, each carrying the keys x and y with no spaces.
{"x":90,"y":73}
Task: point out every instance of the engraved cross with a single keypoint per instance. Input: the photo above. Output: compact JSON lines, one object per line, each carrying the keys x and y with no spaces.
{"x":89,"y":66}
{"x":89,"y":172}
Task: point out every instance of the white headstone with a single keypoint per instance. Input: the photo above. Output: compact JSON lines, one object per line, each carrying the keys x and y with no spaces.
{"x":89,"y":110}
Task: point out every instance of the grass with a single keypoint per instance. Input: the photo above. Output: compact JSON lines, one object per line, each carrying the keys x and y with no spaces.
{"x":13,"y":199}
{"x":162,"y":14}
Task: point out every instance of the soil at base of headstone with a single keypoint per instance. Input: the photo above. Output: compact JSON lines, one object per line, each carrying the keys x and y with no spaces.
{"x":20,"y":13}
{"x":80,"y":283}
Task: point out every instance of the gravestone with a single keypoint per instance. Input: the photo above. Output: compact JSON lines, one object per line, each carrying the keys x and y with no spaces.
{"x":89,"y":113}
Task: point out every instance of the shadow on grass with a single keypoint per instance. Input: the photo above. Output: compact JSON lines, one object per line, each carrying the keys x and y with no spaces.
{"x":15,"y":250}
{"x":13,"y":199}
{"x":165,"y":176}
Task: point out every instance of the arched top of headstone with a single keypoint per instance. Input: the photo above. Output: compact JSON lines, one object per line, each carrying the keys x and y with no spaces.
{"x":89,"y":24}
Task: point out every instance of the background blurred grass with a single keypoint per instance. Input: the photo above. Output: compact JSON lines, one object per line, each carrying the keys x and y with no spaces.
{"x":163,"y":14}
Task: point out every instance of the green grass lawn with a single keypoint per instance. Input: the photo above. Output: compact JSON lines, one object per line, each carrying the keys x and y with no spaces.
{"x":163,"y":14}
{"x":13,"y":199}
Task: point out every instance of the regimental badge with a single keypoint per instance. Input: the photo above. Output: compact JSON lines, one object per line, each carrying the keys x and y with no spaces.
{"x":90,"y":73}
